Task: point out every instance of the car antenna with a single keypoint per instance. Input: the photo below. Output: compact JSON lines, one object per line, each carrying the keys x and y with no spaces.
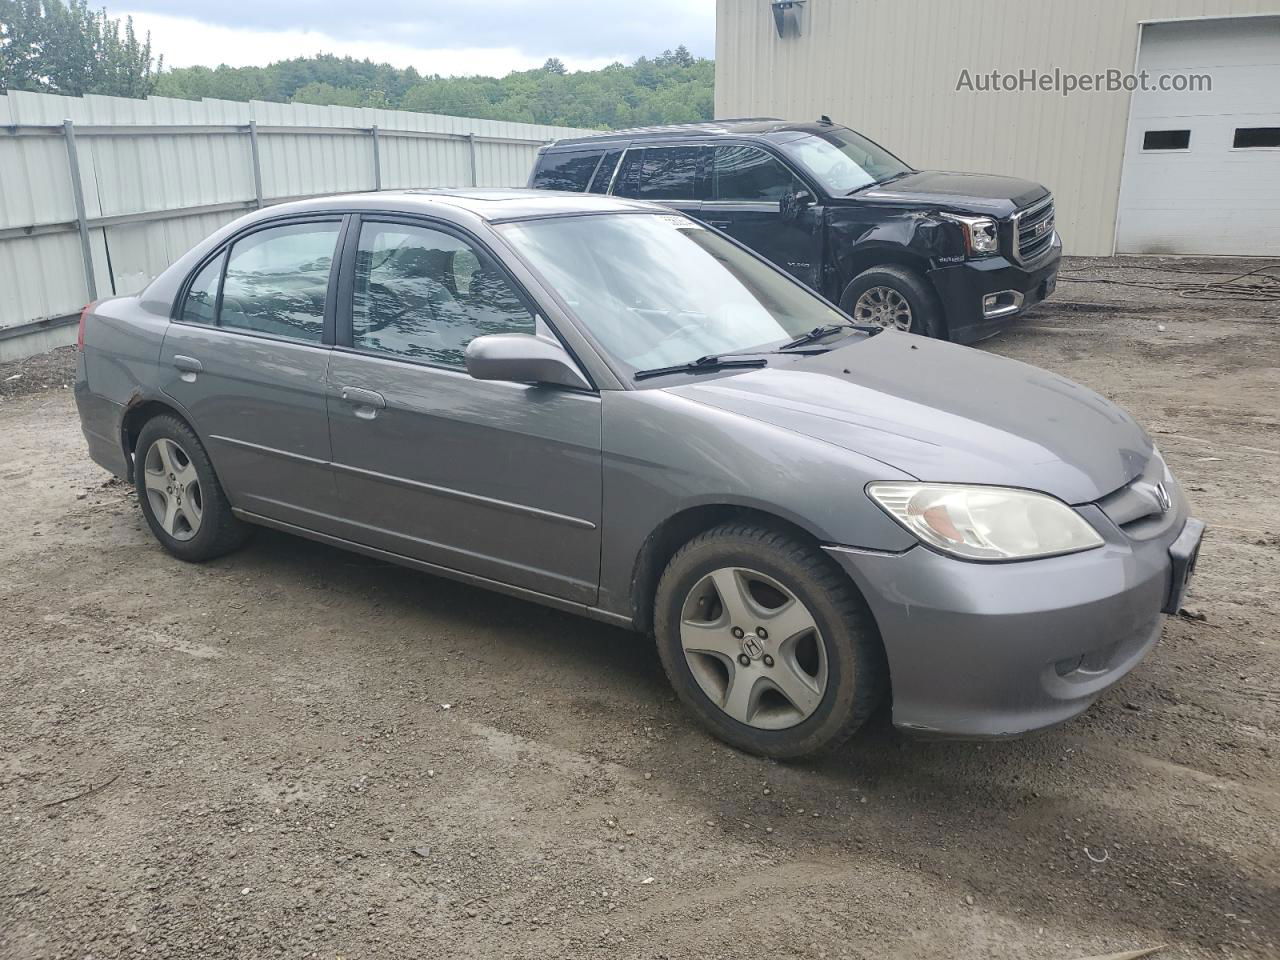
{"x":825,"y":119}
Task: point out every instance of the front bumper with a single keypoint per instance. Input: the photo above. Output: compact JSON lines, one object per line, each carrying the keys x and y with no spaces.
{"x":961,"y":287}
{"x":989,"y":650}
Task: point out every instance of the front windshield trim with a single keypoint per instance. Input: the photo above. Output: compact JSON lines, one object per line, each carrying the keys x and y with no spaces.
{"x":619,"y":367}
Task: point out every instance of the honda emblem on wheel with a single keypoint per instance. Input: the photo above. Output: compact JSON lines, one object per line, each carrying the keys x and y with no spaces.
{"x":751,"y":647}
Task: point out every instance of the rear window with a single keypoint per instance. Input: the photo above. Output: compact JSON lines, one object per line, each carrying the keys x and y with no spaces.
{"x":567,"y":170}
{"x":662,"y":173}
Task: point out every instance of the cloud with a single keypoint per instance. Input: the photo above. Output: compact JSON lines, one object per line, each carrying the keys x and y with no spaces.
{"x":185,"y":43}
{"x":450,"y":37}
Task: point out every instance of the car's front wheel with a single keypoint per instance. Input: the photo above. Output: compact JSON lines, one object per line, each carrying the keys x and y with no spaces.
{"x":767,"y":641}
{"x":896,"y":298}
{"x":180,"y":495}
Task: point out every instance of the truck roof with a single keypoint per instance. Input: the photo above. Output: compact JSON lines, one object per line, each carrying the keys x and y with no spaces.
{"x":711,"y":129}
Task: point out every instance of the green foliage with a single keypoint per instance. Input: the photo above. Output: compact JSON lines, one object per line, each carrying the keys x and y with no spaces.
{"x":675,"y":87}
{"x":51,"y":47}
{"x":54,"y":46}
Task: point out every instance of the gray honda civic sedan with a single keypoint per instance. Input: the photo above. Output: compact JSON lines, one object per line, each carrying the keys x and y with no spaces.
{"x":607,"y":407}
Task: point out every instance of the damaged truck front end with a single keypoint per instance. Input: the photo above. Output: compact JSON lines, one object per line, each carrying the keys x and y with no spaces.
{"x":976,"y":292}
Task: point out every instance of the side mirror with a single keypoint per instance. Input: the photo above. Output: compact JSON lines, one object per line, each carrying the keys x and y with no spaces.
{"x":522,"y":358}
{"x":794,"y":203}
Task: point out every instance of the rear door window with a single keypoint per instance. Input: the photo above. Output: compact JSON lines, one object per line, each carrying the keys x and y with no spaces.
{"x":566,"y":170}
{"x":749,"y":173}
{"x":277,"y":281}
{"x":664,"y":173}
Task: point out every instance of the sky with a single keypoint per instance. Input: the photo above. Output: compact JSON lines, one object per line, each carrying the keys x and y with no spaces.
{"x":449,"y":37}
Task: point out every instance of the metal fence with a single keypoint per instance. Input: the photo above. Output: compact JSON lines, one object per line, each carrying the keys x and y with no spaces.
{"x":99,"y":194}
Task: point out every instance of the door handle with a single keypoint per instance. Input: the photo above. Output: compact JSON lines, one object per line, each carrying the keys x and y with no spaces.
{"x":188,"y":367}
{"x":720,"y":224}
{"x":366,"y":402}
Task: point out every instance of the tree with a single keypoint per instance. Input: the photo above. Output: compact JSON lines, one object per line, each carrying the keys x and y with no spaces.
{"x":51,"y":47}
{"x":673,"y":87}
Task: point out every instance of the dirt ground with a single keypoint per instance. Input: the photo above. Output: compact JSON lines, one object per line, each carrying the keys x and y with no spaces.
{"x":295,"y":751}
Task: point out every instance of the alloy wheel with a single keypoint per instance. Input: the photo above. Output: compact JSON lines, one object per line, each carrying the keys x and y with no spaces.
{"x":883,"y":307}
{"x":754,"y":648}
{"x":173,"y":489}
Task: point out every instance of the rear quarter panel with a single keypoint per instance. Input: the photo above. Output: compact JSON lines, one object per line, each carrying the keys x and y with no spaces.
{"x":121,"y":348}
{"x":117,"y":369}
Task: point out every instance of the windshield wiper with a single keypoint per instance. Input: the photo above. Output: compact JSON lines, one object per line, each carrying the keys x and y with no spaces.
{"x":709,"y":362}
{"x":877,"y":183}
{"x":817,"y":333}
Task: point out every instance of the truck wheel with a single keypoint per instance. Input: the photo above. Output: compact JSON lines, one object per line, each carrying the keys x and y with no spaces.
{"x":767,"y":642}
{"x":180,"y":495}
{"x":896,"y":298}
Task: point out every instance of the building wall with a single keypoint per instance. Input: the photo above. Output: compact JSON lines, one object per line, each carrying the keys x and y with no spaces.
{"x":889,"y":68}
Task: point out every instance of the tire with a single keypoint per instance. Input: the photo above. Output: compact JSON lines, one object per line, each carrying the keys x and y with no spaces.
{"x":201,"y":526}
{"x":925,"y":309}
{"x":845,"y":676}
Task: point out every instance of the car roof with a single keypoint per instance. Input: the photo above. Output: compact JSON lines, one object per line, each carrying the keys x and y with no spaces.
{"x":493,"y":205}
{"x":711,"y":129}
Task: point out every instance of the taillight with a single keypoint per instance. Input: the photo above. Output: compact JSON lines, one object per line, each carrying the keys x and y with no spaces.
{"x":80,"y":334}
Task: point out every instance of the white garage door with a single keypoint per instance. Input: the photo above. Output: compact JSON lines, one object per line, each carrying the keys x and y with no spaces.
{"x":1202,"y":169}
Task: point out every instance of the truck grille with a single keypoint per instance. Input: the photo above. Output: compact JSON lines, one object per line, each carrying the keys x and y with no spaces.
{"x":1033,"y":230}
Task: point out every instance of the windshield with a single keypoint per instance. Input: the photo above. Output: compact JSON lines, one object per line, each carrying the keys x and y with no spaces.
{"x":657,"y":290}
{"x":842,"y":160}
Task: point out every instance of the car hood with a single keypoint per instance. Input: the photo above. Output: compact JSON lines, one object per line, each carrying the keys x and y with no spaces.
{"x":977,"y":193}
{"x":944,"y":413}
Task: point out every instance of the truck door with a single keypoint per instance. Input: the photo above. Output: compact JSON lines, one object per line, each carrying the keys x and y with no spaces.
{"x":748,"y":187}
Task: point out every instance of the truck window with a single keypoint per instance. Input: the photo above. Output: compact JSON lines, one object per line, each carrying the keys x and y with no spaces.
{"x":748,"y":173}
{"x":567,"y":170}
{"x":604,"y":173}
{"x":661,"y":173}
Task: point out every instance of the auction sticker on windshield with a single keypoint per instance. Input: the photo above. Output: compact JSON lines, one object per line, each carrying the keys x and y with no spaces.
{"x":681,"y":223}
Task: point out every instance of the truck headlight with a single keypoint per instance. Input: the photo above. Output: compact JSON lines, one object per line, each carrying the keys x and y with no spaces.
{"x":981,"y":238}
{"x":985,"y":523}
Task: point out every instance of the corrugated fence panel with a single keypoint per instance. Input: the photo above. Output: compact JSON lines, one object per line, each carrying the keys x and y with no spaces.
{"x":139,"y":251}
{"x":40,"y":277}
{"x":147,"y":194}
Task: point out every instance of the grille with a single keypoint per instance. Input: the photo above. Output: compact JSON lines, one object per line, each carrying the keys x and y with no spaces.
{"x":1137,"y":508}
{"x":1033,"y":230}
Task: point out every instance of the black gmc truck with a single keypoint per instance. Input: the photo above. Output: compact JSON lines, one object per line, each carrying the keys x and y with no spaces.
{"x":950,"y":255}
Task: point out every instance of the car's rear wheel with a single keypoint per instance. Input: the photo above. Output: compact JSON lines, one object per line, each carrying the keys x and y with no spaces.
{"x":180,"y":495}
{"x":767,"y":642}
{"x":896,"y":298}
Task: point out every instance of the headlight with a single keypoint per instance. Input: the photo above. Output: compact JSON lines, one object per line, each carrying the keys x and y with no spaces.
{"x":985,"y":523}
{"x":980,"y":236}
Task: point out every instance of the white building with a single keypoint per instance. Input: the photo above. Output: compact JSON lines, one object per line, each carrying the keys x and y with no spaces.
{"x":1189,"y":164}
